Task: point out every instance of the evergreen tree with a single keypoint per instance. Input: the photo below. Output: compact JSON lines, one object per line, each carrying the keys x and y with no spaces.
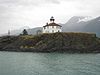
{"x":25,"y":32}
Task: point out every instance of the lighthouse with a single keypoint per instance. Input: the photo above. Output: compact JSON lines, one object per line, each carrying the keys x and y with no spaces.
{"x":52,"y":27}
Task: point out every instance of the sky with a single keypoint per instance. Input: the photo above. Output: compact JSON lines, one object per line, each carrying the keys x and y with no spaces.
{"x":15,"y":14}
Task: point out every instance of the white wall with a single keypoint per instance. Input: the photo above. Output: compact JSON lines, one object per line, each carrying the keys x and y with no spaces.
{"x":49,"y":29}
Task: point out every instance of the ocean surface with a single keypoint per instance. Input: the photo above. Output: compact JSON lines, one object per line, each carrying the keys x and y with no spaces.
{"x":14,"y":63}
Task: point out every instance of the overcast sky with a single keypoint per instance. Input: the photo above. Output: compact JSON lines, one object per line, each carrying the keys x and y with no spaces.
{"x":15,"y":14}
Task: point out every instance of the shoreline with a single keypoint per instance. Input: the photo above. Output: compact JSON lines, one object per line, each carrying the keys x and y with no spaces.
{"x":55,"y":42}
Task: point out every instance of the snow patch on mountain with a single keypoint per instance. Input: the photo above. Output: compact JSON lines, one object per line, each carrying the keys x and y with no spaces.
{"x":85,"y":19}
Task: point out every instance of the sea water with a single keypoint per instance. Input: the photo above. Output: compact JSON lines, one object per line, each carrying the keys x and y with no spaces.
{"x":16,"y":63}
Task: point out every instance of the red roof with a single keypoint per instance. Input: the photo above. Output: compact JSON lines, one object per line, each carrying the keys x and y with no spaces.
{"x":52,"y":24}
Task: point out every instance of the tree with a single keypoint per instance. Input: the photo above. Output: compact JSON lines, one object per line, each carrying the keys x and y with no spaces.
{"x":25,"y":32}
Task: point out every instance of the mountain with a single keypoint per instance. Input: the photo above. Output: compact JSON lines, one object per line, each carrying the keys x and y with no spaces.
{"x":82,"y":24}
{"x":93,"y":26}
{"x":18,"y":31}
{"x":75,"y":24}
{"x":30,"y":31}
{"x":33,"y":31}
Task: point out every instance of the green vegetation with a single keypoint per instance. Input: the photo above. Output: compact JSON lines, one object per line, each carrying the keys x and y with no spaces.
{"x":25,"y":32}
{"x":55,"y":42}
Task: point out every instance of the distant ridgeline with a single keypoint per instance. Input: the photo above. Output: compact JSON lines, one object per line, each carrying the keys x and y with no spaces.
{"x":52,"y":42}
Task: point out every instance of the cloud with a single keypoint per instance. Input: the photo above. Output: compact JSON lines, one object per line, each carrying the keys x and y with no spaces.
{"x":36,"y":12}
{"x":26,"y":2}
{"x":53,"y":1}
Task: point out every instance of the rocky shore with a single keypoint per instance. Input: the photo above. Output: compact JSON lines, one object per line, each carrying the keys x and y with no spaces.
{"x":55,"y":42}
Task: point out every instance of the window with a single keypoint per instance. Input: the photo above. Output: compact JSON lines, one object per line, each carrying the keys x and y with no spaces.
{"x":44,"y":27}
{"x":52,"y":31}
{"x":57,"y":26}
{"x":47,"y":26}
{"x":52,"y":26}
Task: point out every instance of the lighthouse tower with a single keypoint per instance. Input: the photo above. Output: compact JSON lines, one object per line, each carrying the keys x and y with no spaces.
{"x":52,"y":19}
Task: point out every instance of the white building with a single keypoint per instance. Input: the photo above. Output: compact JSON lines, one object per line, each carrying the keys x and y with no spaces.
{"x":52,"y":27}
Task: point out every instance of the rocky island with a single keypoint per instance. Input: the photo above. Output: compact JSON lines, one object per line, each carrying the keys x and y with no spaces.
{"x":69,"y":42}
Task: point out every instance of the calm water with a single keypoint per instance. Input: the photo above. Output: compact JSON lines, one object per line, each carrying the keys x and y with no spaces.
{"x":12,"y":63}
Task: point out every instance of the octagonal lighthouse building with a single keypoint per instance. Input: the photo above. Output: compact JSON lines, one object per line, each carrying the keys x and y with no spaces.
{"x":52,"y":27}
